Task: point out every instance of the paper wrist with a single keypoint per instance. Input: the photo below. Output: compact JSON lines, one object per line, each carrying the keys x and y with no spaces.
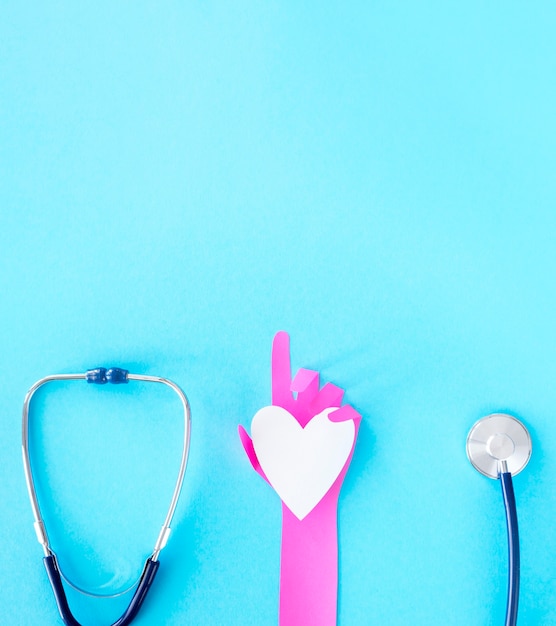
{"x":309,"y":566}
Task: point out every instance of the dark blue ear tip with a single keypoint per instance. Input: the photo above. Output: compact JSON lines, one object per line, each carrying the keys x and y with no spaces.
{"x":101,"y":376}
{"x":116,"y":376}
{"x":96,"y":376}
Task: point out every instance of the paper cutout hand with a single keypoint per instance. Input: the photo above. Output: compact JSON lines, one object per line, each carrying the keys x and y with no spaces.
{"x":303,"y":446}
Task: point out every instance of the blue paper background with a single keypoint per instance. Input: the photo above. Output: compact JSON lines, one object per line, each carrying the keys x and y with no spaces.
{"x":181,"y":180}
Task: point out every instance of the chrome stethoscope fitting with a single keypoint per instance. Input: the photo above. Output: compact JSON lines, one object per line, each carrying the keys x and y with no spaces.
{"x":499,"y":443}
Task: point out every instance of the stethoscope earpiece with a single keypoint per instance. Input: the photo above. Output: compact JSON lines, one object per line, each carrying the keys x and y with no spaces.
{"x":498,"y":443}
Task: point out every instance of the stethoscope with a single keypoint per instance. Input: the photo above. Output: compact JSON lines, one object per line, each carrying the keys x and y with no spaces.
{"x":499,"y":446}
{"x":101,"y":376}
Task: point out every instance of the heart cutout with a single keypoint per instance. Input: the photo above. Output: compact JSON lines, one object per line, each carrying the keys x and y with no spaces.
{"x":301,"y":463}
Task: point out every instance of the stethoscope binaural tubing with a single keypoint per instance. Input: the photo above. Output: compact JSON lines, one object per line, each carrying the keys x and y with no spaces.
{"x":102,"y":376}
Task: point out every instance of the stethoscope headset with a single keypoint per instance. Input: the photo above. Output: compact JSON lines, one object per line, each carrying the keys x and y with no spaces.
{"x":498,"y":446}
{"x":102,"y":376}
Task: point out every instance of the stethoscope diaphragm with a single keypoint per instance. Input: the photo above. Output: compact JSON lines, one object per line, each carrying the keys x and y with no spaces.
{"x":498,"y":440}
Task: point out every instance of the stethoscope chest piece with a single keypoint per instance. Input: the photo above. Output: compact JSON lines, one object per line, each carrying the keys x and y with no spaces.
{"x":498,"y":440}
{"x":499,"y":446}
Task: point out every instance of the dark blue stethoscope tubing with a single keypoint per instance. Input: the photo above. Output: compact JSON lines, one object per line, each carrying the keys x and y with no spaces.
{"x":54,"y":576}
{"x":513,"y":548}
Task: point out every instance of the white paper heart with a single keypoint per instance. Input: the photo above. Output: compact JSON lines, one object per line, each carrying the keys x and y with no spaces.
{"x":301,"y":463}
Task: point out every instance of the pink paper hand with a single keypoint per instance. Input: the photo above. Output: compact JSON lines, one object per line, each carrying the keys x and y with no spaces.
{"x":310,"y":399}
{"x":309,"y":557}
